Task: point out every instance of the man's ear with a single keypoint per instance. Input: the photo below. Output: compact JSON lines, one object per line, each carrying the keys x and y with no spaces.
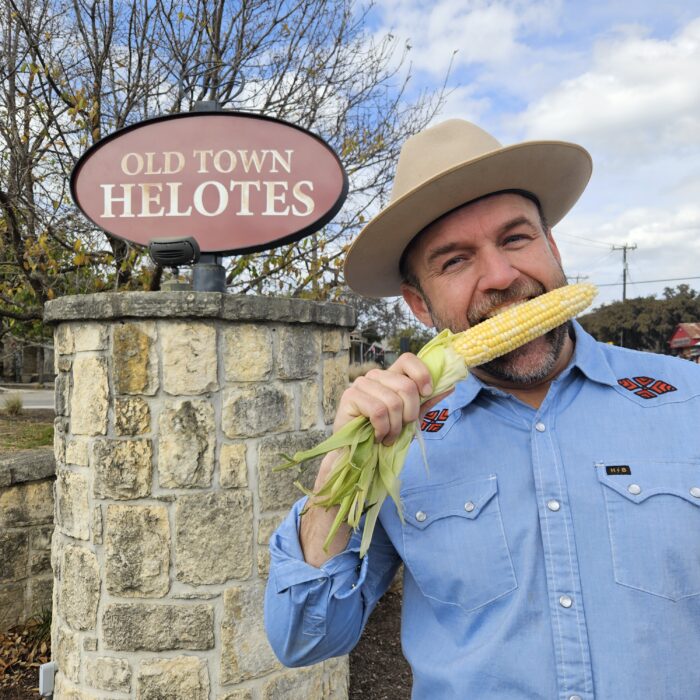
{"x":414,"y":298}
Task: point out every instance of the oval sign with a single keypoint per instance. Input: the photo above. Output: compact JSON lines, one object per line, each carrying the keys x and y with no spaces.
{"x":236,"y":182}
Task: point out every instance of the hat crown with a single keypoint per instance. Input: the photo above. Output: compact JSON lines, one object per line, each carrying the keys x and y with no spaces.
{"x":438,"y":149}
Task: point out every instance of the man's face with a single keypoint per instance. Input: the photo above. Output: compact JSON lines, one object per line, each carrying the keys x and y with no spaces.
{"x":478,"y":260}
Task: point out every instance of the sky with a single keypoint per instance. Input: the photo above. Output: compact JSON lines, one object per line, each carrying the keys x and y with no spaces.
{"x":619,"y":77}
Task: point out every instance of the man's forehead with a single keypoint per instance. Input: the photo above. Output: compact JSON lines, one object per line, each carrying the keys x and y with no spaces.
{"x":500,"y":208}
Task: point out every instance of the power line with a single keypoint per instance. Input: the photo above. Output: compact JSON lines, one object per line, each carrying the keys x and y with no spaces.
{"x":670,"y":279}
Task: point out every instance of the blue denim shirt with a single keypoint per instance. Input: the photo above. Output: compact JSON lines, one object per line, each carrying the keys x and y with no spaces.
{"x":551,"y":553}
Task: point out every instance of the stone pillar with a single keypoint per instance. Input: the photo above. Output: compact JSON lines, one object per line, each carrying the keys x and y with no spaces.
{"x":173,"y":408}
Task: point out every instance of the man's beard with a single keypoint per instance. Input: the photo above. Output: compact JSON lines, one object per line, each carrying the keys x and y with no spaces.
{"x":513,"y":367}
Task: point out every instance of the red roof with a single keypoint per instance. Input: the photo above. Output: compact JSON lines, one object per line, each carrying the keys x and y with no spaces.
{"x":686,"y":335}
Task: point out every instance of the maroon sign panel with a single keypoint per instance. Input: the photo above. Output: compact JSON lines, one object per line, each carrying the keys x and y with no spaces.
{"x":235,"y":182}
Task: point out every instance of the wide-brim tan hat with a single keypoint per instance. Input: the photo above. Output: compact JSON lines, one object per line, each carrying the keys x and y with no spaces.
{"x":446,"y":166}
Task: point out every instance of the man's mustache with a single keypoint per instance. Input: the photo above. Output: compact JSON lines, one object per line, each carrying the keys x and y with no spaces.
{"x":518,"y":291}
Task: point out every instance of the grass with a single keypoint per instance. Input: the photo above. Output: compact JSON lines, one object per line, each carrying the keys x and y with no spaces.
{"x":12,"y":404}
{"x":25,"y":431}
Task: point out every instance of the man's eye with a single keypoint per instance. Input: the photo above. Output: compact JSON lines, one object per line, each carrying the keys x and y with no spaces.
{"x":452,"y":261}
{"x":516,"y":238}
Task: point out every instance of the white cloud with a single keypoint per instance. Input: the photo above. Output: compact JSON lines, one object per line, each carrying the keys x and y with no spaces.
{"x":641,"y":95}
{"x":480,"y":32}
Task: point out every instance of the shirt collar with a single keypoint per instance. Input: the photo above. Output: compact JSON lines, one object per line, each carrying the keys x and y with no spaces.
{"x":588,"y":358}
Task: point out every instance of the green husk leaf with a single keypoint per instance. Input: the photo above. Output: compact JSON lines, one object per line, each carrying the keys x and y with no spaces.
{"x":366,"y":472}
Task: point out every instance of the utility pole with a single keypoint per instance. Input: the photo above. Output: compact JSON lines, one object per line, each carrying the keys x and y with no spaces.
{"x":624,"y":248}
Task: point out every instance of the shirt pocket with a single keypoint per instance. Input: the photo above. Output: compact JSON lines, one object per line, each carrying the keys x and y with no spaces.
{"x":654,"y":525}
{"x":454,"y":543}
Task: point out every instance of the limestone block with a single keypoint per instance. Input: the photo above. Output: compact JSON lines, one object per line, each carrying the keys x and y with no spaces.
{"x":90,"y":643}
{"x":242,"y":694}
{"x":108,"y":673}
{"x":233,"y":472}
{"x":132,"y":416}
{"x":335,"y":381}
{"x":14,"y":555}
{"x":186,"y":444}
{"x":122,"y":469}
{"x":137,"y":543}
{"x":65,"y":690}
{"x":80,"y":589}
{"x":139,"y":626}
{"x":298,"y":352}
{"x":308,"y":410}
{"x":39,"y":594}
{"x":77,"y":452}
{"x":266,"y":526}
{"x":11,"y":605}
{"x":334,"y":340}
{"x":299,"y":684}
{"x":257,"y":410}
{"x":61,"y":394}
{"x":63,"y":340}
{"x":213,"y":540}
{"x":89,"y":336}
{"x":62,"y":363}
{"x":276,"y":489}
{"x":336,"y":679}
{"x":60,"y":430}
{"x":247,"y":353}
{"x":179,"y":678}
{"x":72,"y":504}
{"x":29,"y":503}
{"x":97,"y":524}
{"x":189,"y":358}
{"x":135,"y":369}
{"x":245,"y":651}
{"x":90,"y":395}
{"x":67,"y":654}
{"x":40,"y":550}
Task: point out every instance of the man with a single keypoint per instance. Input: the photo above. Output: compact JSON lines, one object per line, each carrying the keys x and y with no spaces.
{"x":552,"y":547}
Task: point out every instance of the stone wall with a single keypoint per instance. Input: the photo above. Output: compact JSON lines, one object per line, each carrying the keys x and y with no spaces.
{"x":26,"y":524}
{"x":173,"y":409}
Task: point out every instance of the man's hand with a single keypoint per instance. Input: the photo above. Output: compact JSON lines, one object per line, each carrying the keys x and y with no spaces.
{"x":390,"y":399}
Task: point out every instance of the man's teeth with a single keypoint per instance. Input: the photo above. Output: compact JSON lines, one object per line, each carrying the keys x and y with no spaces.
{"x":503,"y":307}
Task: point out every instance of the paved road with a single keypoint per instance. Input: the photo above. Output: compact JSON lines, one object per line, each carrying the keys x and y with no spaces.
{"x":31,"y":398}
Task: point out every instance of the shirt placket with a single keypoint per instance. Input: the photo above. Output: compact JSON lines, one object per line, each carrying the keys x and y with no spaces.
{"x":571,"y":646}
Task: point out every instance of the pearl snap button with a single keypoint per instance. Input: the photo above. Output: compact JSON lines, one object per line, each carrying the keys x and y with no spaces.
{"x":540,"y":427}
{"x":574,"y":697}
{"x":469,"y":506}
{"x":634,"y":489}
{"x":421,"y":516}
{"x":553,"y":505}
{"x":565,"y":601}
{"x":695,"y":492}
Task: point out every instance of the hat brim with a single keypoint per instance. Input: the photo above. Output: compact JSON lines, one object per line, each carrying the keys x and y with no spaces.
{"x":556,"y":172}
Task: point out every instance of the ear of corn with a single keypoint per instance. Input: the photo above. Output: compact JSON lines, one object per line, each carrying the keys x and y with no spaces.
{"x":367,"y":471}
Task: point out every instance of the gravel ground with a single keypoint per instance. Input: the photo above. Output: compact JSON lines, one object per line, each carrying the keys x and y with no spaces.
{"x":378,"y":670}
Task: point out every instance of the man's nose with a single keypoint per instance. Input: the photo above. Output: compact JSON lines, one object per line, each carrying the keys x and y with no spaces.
{"x":496,"y":271}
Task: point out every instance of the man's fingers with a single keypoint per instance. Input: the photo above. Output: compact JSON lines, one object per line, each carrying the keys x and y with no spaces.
{"x":388,"y":398}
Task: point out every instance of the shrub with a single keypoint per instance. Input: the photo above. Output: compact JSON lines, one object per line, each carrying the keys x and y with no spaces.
{"x":12,"y":404}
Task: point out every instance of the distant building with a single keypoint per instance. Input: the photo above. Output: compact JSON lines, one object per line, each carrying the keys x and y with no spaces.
{"x":685,"y":341}
{"x":25,"y":362}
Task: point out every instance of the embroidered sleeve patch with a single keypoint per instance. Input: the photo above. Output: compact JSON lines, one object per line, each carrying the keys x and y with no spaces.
{"x":646,"y":387}
{"x":434,"y":420}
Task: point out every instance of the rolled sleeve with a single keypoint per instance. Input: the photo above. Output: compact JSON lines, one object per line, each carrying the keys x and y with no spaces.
{"x":314,"y":613}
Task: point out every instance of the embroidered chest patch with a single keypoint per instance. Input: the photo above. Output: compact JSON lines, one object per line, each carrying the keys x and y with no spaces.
{"x":646,"y":387}
{"x":434,"y":420}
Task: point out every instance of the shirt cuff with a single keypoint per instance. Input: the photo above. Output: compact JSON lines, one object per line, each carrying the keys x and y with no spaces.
{"x":287,"y":563}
